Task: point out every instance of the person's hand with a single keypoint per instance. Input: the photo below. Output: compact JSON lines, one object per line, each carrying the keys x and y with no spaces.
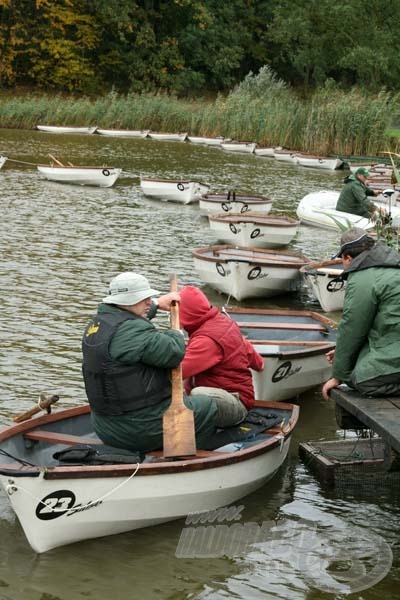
{"x":164,"y":302}
{"x":329,"y":385}
{"x":330,"y":356}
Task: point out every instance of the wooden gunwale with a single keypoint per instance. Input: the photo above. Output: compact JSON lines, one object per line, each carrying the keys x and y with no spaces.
{"x":284,"y":313}
{"x":236,"y":253}
{"x":256,"y":218}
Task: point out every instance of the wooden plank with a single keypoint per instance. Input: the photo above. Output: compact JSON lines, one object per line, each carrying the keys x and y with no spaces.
{"x":382,"y":415}
{"x":54,"y":437}
{"x":272,"y":325}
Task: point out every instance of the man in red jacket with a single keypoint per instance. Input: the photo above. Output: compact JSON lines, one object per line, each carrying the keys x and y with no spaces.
{"x":218,"y":358}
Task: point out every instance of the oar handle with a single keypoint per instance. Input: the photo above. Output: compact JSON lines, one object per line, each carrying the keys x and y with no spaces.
{"x":174,"y":305}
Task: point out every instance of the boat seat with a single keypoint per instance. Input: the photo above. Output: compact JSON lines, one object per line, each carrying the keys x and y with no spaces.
{"x":55,"y":437}
{"x":274,"y":325}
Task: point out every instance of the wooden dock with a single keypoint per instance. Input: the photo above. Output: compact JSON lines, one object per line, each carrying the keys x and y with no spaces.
{"x":381,"y":415}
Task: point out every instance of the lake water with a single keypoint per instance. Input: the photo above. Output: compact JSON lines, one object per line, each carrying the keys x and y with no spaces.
{"x":59,"y":246}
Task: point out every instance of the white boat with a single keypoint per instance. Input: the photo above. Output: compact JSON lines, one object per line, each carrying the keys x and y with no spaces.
{"x":318,"y":209}
{"x":169,"y":137}
{"x":97,"y":176}
{"x":294,"y":346}
{"x":62,"y":129}
{"x":175,"y":190}
{"x":319,"y":162}
{"x":243,"y":272}
{"x":286,"y":156}
{"x":254,"y":229}
{"x":234,"y":203}
{"x":267,"y":151}
{"x":124,"y":133}
{"x":59,"y":503}
{"x":3,"y":160}
{"x":323,"y":281}
{"x":233,"y":146}
{"x":209,"y":141}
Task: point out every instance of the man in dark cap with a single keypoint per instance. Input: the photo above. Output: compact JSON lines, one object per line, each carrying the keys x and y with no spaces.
{"x":354,"y":195}
{"x":367,"y":355}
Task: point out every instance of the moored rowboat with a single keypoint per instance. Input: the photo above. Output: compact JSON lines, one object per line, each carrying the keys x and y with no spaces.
{"x":98,"y":176}
{"x":248,"y":272}
{"x":174,"y":190}
{"x":209,"y":141}
{"x":294,"y":346}
{"x":62,"y":129}
{"x":324,"y":282}
{"x":254,"y":229}
{"x":125,"y":133}
{"x":169,"y":137}
{"x":234,"y":203}
{"x":58,"y":503}
{"x":233,"y":146}
{"x":319,"y":162}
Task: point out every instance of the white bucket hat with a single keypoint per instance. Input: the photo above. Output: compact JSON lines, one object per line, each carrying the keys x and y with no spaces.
{"x":129,"y":288}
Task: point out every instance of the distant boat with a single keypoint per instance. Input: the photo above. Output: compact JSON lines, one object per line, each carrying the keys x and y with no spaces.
{"x":61,"y":502}
{"x":324,"y":282}
{"x":245,"y":272}
{"x":62,"y":129}
{"x":209,"y":141}
{"x":319,"y":162}
{"x":286,"y":156}
{"x":293,"y":343}
{"x":267,"y":151}
{"x":254,"y":229}
{"x":169,"y":137}
{"x":175,"y":190}
{"x":96,"y":176}
{"x":125,"y":133}
{"x":233,"y":146}
{"x":3,"y":160}
{"x":234,"y":203}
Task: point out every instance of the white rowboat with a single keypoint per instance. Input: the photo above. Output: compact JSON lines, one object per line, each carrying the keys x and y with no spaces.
{"x":174,"y":190}
{"x":209,"y":141}
{"x":248,"y":147}
{"x":169,"y":137}
{"x":243,"y":272}
{"x":294,"y":345}
{"x":268,"y":151}
{"x":254,"y":229}
{"x":60,"y":503}
{"x":234,"y":203}
{"x":325,"y":284}
{"x":319,"y":162}
{"x":286,"y":156}
{"x":62,"y":129}
{"x":97,"y":176}
{"x":124,"y":133}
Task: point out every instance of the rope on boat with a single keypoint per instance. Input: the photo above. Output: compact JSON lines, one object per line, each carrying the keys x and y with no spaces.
{"x":14,"y":487}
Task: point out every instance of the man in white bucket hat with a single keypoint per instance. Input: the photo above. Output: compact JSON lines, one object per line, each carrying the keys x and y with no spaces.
{"x":126,"y":368}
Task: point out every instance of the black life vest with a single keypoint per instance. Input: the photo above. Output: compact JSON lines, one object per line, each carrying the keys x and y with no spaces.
{"x":114,"y":388}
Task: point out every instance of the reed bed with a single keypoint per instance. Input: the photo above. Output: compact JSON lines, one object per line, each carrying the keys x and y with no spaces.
{"x":261,"y":109}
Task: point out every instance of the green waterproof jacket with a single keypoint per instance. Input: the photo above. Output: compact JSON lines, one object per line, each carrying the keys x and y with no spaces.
{"x":142,"y":430}
{"x":368,"y":339}
{"x":354,"y":197}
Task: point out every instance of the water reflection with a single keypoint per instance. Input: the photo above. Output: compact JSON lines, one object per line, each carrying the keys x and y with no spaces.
{"x":60,"y":245}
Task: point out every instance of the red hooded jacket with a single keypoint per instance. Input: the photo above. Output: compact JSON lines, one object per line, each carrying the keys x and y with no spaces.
{"x":217,"y":355}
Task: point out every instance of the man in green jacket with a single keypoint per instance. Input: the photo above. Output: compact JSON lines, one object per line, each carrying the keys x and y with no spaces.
{"x":367,"y":355}
{"x":354,"y":195}
{"x":126,"y":368}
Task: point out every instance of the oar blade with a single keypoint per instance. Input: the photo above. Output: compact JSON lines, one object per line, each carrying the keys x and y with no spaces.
{"x":180,"y":440}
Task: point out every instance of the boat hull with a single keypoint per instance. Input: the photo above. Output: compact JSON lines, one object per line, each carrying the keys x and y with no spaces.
{"x":323,"y":281}
{"x":184,"y":192}
{"x":95,"y":176}
{"x":168,"y":137}
{"x":243,"y":272}
{"x":255,"y":230}
{"x":246,"y":147}
{"x":330,"y":164}
{"x":209,"y":141}
{"x":60,"y":129}
{"x":124,"y":133}
{"x":3,"y":160}
{"x":235,"y":203}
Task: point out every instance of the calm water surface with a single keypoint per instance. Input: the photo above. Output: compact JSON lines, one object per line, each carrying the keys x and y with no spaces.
{"x":59,"y":246}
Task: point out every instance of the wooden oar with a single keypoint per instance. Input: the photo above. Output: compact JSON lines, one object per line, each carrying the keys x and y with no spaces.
{"x":178,"y":421}
{"x":44,"y":403}
{"x":56,"y":160}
